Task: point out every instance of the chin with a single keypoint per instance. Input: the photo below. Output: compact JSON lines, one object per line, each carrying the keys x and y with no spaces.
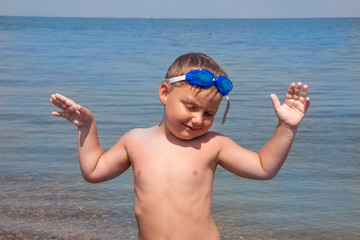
{"x":188,"y":137}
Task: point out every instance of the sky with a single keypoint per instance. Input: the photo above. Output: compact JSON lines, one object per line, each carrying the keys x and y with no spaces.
{"x":182,"y":8}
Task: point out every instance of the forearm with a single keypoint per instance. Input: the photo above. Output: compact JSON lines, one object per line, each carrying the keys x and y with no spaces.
{"x":275,"y":152}
{"x":89,"y":148}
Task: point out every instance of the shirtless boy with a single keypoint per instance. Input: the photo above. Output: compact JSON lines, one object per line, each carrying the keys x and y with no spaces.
{"x":174,"y":162}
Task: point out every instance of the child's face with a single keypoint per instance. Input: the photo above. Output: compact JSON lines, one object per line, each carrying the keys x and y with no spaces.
{"x":190,"y":112}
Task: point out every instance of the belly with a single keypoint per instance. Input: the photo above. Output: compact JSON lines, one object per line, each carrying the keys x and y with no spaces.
{"x":170,"y":211}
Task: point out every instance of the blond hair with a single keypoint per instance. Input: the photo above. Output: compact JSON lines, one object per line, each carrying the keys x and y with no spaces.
{"x":191,"y":61}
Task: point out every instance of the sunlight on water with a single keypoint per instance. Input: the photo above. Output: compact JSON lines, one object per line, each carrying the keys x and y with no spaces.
{"x":114,"y":67}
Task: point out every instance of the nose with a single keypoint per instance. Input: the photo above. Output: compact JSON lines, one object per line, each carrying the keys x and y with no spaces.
{"x":197,"y":119}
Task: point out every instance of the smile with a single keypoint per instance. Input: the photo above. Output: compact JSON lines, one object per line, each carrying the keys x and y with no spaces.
{"x":192,"y":129}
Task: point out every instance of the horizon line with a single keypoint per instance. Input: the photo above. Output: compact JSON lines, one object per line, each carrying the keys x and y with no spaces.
{"x":44,"y":16}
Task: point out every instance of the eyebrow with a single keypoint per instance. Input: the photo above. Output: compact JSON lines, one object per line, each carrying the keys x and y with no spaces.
{"x":192,"y":100}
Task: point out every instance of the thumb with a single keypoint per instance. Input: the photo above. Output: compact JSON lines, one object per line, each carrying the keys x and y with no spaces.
{"x":82,"y":110}
{"x":275,"y":101}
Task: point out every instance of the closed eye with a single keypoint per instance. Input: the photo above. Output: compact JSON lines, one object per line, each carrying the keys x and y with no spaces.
{"x":190,"y":107}
{"x":209,"y":114}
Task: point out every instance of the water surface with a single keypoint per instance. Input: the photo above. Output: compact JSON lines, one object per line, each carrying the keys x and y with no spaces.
{"x":114,"y":67}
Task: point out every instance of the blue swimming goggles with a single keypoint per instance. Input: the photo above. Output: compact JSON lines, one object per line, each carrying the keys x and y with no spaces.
{"x":205,"y":78}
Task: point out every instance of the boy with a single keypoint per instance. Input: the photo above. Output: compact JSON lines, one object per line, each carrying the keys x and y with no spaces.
{"x":174,"y":162}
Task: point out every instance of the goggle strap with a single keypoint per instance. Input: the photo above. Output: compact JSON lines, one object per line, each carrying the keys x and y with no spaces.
{"x":175,"y":79}
{"x":226,"y":110}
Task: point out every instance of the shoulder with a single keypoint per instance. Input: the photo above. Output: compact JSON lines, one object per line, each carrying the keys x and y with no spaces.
{"x":216,"y":137}
{"x":137,"y":134}
{"x":214,"y":141}
{"x":221,"y":142}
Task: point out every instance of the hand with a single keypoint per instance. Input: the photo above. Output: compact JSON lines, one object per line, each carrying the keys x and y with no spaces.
{"x":293,"y":110}
{"x":72,"y":111}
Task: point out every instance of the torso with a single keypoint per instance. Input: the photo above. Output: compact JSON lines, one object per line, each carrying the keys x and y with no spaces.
{"x":173,"y":185}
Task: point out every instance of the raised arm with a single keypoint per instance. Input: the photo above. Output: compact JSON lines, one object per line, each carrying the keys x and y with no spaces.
{"x":268,"y":162}
{"x":95,"y":165}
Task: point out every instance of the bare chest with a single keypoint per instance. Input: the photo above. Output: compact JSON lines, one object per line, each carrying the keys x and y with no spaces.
{"x":173,"y":166}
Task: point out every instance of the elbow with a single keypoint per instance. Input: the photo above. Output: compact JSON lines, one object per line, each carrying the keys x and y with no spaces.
{"x":260,"y":176}
{"x":267,"y":175}
{"x":90,"y":179}
{"x":268,"y":172}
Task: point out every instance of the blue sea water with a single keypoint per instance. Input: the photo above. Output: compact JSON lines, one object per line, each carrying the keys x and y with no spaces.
{"x":114,"y":68}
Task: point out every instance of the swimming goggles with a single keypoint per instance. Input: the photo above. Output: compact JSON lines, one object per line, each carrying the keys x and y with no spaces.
{"x":205,"y":78}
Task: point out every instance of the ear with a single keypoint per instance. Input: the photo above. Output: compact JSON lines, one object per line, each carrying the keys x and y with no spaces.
{"x":164,"y":91}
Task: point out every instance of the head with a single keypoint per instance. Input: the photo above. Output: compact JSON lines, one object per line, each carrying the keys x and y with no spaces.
{"x":189,"y":110}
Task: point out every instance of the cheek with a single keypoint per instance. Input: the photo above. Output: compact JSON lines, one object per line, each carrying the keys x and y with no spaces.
{"x":208,"y":123}
{"x":174,"y":114}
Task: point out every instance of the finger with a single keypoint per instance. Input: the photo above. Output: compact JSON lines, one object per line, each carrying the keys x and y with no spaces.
{"x":307,"y":104}
{"x":64,"y":103}
{"x":72,"y":108}
{"x":81,"y":109}
{"x":53,"y":99}
{"x":275,"y":101}
{"x":297,"y":91}
{"x":75,"y":109}
{"x":57,"y":101}
{"x":303,"y":94}
{"x":290,"y":91}
{"x":58,"y":114}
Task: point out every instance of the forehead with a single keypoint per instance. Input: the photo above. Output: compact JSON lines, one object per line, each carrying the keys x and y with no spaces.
{"x":200,"y":96}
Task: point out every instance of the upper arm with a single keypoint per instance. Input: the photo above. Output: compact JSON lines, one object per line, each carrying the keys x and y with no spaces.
{"x":240,"y":161}
{"x":112,"y":163}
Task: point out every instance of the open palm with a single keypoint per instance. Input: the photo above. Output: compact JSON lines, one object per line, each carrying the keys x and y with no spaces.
{"x":73,"y":112}
{"x":293,"y":110}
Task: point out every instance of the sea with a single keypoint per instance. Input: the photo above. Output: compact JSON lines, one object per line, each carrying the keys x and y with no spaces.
{"x":115,"y":66}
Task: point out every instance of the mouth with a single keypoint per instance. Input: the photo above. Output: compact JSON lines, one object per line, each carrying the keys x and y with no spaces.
{"x":192,"y":129}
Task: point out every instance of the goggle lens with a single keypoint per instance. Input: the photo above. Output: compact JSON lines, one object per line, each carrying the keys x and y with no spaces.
{"x":202,"y":78}
{"x":205,"y":78}
{"x":224,"y":85}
